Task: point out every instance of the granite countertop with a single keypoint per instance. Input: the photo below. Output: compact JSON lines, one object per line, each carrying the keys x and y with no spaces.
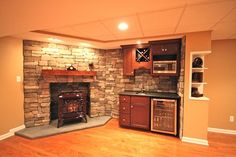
{"x":151,"y":94}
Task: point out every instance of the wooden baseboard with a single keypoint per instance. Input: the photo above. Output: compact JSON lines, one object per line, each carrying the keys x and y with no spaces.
{"x":195,"y":140}
{"x":11,"y":132}
{"x":223,"y":131}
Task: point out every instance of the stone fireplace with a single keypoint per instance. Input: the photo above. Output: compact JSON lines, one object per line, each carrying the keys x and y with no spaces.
{"x":104,"y":87}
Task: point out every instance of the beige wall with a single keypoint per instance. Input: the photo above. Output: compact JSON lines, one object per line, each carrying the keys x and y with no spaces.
{"x":195,"y":112}
{"x":11,"y":92}
{"x":221,"y":89}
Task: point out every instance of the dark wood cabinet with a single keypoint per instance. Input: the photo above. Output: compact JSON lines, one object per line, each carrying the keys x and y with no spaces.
{"x":140,"y":112}
{"x":166,"y":57}
{"x":130,"y":63}
{"x":124,"y":108}
{"x":135,"y":112}
{"x":160,"y":48}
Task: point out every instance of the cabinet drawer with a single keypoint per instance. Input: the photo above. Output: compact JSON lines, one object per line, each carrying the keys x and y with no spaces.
{"x":124,"y":119}
{"x":124,"y":99}
{"x":124,"y":108}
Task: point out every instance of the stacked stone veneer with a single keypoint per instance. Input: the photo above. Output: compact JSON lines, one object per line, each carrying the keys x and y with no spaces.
{"x":180,"y":87}
{"x":104,"y":87}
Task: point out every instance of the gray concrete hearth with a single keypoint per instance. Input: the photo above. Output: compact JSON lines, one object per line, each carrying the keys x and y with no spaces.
{"x":49,"y":130}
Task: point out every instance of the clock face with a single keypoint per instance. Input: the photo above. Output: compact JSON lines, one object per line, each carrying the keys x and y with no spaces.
{"x":142,"y":54}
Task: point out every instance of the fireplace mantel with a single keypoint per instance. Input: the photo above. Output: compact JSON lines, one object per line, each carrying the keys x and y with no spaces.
{"x":68,"y":73}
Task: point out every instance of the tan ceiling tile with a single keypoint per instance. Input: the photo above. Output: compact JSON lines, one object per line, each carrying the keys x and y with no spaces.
{"x":159,"y":32}
{"x":156,"y":22}
{"x":231,"y":16}
{"x":129,"y":35}
{"x":224,"y":30}
{"x":207,"y":15}
{"x":91,"y":29}
{"x":133,"y":26}
{"x":64,"y":30}
{"x":193,"y":28}
{"x":192,"y":2}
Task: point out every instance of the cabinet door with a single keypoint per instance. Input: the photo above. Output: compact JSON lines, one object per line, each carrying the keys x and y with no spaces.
{"x":128,"y":62}
{"x":140,"y":112}
{"x":157,"y":49}
{"x":162,"y":49}
{"x":171,"y":48}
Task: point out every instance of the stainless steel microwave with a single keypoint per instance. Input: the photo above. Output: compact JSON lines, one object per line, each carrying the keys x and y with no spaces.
{"x":167,"y":66}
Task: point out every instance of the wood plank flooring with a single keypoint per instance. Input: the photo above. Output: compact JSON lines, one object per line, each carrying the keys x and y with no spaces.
{"x":112,"y":141}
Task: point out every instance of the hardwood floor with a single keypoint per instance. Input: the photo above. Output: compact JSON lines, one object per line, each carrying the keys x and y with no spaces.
{"x":112,"y":141}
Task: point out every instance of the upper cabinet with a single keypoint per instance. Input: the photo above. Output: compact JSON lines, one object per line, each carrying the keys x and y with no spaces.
{"x":128,"y":69}
{"x":136,"y":57}
{"x":165,"y":57}
{"x":162,"y":48}
{"x":161,"y":57}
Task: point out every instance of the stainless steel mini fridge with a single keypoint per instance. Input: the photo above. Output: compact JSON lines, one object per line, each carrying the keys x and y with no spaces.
{"x":164,"y":116}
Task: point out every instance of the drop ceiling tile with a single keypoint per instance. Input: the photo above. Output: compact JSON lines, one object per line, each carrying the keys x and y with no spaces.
{"x":224,"y":30}
{"x":201,"y":1}
{"x":160,"y":21}
{"x":206,"y":15}
{"x":129,"y":35}
{"x":193,"y":28}
{"x":91,"y":29}
{"x":231,"y":16}
{"x":63,"y":30}
{"x":104,"y":37}
{"x":133,"y":29}
{"x":159,"y":32}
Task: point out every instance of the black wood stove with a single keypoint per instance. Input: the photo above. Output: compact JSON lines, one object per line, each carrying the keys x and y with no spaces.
{"x":71,"y":106}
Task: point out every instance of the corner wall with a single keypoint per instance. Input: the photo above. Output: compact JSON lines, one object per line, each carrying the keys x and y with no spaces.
{"x":195,"y":111}
{"x":221,"y":74}
{"x":11,"y":101}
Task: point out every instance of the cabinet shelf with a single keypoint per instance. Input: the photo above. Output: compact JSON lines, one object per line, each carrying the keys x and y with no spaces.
{"x":199,"y":83}
{"x":199,"y":98}
{"x":199,"y":69}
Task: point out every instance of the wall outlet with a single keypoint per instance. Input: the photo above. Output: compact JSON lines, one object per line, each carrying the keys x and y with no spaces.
{"x":231,"y":118}
{"x":18,"y":79}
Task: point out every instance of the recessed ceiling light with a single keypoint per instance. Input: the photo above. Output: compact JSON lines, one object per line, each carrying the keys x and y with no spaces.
{"x":55,"y":40}
{"x":123,"y":26}
{"x":139,"y":42}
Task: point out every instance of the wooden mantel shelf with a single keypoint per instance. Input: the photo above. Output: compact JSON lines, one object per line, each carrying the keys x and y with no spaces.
{"x":68,"y":73}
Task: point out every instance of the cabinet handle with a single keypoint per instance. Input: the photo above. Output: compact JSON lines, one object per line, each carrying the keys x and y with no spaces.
{"x":123,"y":120}
{"x":162,"y":49}
{"x":123,"y":108}
{"x":165,"y":49}
{"x":124,"y":99}
{"x":131,"y":106}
